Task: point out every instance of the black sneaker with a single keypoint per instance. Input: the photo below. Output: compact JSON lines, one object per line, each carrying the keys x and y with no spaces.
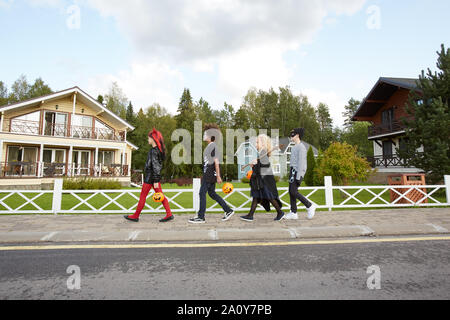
{"x":228,"y":216}
{"x":247,"y":218}
{"x":279,"y":217}
{"x":197,"y":220}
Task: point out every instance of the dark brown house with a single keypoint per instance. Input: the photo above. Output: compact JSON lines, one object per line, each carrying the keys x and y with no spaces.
{"x":385,"y":107}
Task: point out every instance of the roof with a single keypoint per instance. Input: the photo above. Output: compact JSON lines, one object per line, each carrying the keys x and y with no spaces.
{"x":84,"y":97}
{"x":380,"y":94}
{"x":132,"y":145}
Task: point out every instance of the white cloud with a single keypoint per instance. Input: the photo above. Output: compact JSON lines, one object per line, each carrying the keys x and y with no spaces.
{"x":6,"y":3}
{"x":242,"y":43}
{"x":334,"y":101}
{"x":210,"y":28}
{"x":144,"y":83}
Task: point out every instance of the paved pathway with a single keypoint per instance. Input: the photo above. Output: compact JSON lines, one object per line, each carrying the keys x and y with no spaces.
{"x":337,"y":224}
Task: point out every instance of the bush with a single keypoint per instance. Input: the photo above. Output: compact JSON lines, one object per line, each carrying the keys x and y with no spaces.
{"x":309,"y":176}
{"x":90,"y":184}
{"x":245,"y":180}
{"x":342,"y":163}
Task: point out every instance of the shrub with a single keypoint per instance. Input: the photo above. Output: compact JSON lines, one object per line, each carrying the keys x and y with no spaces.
{"x":86,"y":183}
{"x":342,"y":162}
{"x":245,"y":180}
{"x":309,"y":176}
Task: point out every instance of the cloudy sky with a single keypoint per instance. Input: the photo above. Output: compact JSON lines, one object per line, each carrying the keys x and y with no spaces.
{"x":329,"y":50}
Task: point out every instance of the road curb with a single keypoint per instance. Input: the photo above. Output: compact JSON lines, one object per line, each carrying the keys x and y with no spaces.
{"x":281,"y":233}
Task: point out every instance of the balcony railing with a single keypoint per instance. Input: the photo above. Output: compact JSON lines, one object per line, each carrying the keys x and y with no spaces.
{"x":63,"y":130}
{"x":387,"y":161}
{"x":51,"y":170}
{"x":382,"y":129}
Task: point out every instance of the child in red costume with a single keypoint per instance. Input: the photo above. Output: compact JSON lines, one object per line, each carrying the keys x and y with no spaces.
{"x":153,"y":168}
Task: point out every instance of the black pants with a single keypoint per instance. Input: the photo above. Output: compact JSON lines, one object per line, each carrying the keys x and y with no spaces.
{"x":295,"y":195}
{"x":210,"y":188}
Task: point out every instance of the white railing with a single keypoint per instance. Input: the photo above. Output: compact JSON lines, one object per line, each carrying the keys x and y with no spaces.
{"x":59,"y":201}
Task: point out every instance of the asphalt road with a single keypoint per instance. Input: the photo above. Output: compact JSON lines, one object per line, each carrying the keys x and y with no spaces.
{"x":408,"y":270}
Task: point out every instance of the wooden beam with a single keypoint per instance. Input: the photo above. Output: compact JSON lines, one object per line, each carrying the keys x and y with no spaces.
{"x":376,"y":101}
{"x":369,"y":119}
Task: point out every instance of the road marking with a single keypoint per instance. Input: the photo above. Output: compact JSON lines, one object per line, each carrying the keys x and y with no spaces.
{"x":212,"y":245}
{"x":367,"y":231}
{"x":294,"y":233}
{"x":438,"y":228}
{"x":133,"y":235}
{"x":49,"y":236}
{"x":213,"y":235}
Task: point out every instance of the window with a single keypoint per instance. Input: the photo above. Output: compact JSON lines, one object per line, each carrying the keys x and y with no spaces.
{"x":387,"y":117}
{"x":27,"y":124}
{"x":55,"y":124}
{"x":103,"y":131}
{"x":82,"y":126}
{"x":248,"y":152}
{"x":106,"y":157}
{"x":21,"y":161}
{"x":387,"y":148}
{"x":276,"y":168}
{"x":54,"y":162}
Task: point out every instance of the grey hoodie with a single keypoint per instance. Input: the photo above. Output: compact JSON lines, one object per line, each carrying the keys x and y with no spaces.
{"x":298,"y":160}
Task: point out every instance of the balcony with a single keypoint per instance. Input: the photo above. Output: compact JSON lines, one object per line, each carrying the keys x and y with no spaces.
{"x":21,"y":170}
{"x":63,"y":130}
{"x":386,"y":129}
{"x":386,"y":161}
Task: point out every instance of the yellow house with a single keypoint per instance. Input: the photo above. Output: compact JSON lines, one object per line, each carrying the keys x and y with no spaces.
{"x":64,"y":134}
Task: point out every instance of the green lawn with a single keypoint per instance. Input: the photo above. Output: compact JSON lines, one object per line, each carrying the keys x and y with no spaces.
{"x":185,"y":199}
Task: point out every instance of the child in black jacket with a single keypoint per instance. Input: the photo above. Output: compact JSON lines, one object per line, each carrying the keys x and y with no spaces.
{"x":153,"y":167}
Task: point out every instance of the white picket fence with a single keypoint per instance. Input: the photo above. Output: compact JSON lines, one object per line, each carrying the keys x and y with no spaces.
{"x":57,"y":201}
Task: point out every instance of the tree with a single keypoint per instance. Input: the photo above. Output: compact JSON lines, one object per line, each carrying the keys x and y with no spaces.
{"x":39,"y":89}
{"x":100,"y":99}
{"x":130,"y":117}
{"x":325,"y":126}
{"x":116,"y":101}
{"x":204,"y":111}
{"x":342,"y":162}
{"x":241,"y":119}
{"x":186,"y":112}
{"x":3,"y":94}
{"x":356,"y":133}
{"x":350,"y":110}
{"x":429,"y":126}
{"x":19,"y":90}
{"x":311,"y":164}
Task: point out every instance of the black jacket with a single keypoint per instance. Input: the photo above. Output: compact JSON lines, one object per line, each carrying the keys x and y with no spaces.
{"x":258,"y":182}
{"x":153,"y":166}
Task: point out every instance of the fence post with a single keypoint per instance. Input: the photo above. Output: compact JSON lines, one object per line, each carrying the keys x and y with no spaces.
{"x":447,"y":188}
{"x":57,"y":196}
{"x":329,"y":192}
{"x":196,"y":184}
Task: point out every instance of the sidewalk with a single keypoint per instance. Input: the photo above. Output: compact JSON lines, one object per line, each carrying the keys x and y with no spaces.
{"x":114,"y":228}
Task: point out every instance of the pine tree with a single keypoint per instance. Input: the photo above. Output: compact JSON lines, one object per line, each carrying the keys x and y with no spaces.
{"x":311,"y":161}
{"x":130,"y":117}
{"x":430,"y":124}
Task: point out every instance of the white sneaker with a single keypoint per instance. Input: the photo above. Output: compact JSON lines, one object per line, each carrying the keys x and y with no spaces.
{"x":311,"y":211}
{"x":291,"y":216}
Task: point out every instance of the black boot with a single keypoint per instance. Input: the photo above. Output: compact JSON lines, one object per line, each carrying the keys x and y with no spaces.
{"x":131,"y":219}
{"x":167,"y":219}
